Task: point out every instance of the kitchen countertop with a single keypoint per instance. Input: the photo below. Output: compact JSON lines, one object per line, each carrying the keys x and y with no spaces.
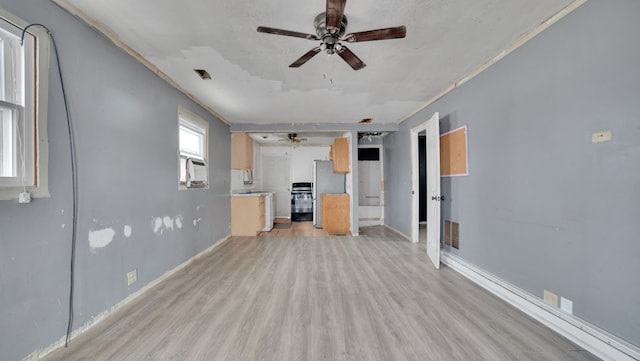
{"x":248,"y":193}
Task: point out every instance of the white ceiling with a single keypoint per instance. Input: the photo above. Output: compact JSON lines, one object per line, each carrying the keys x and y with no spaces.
{"x":305,"y":138}
{"x":252,"y":83}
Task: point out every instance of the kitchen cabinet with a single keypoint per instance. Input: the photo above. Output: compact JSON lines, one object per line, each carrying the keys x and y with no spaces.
{"x":241,"y":151}
{"x":339,"y":154}
{"x":336,"y":213}
{"x":247,"y":215}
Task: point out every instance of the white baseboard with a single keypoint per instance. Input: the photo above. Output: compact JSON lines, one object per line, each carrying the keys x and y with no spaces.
{"x":590,"y":337}
{"x":38,"y":354}
{"x":367,"y":222}
{"x":398,"y":232}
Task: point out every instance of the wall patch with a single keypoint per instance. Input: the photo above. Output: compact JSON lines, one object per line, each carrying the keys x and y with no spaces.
{"x":157,"y":225}
{"x":100,"y":238}
{"x":168,"y":222}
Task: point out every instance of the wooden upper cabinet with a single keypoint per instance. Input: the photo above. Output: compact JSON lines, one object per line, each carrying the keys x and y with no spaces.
{"x":339,"y":154}
{"x":241,"y":151}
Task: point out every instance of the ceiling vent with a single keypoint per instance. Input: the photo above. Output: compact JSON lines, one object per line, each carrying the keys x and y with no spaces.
{"x":203,"y":74}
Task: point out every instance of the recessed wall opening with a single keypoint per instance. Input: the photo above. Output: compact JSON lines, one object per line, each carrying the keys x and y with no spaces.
{"x":370,"y":185}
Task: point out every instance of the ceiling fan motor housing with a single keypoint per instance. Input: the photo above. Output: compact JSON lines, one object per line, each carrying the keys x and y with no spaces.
{"x":329,"y":40}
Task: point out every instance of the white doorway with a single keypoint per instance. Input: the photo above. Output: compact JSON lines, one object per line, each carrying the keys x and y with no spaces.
{"x":370,"y":186}
{"x":432,"y":191}
{"x":275,"y":177}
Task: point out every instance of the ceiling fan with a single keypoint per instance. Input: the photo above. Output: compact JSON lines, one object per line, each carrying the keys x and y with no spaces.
{"x":293,"y":138}
{"x":330,"y":29}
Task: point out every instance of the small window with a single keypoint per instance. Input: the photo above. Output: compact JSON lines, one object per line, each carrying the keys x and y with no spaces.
{"x":23,"y":86}
{"x":193,"y":141}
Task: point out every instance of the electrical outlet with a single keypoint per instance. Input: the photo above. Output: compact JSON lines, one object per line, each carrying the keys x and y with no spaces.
{"x":132,"y":276}
{"x":566,"y":305}
{"x":24,"y":197}
{"x":550,"y":298}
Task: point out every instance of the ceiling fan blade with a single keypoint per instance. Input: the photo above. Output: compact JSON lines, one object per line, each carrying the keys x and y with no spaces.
{"x":351,"y":58}
{"x":378,"y":34}
{"x":334,"y":13}
{"x":305,"y":58}
{"x":268,"y":30}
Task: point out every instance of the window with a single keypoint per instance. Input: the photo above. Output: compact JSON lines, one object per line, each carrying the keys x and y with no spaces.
{"x":23,"y":84}
{"x":193,"y":145}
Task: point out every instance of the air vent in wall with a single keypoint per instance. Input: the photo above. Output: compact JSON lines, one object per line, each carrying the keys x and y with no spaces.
{"x":196,"y":173}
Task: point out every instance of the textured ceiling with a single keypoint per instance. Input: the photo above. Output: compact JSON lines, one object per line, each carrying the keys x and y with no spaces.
{"x":252,"y":83}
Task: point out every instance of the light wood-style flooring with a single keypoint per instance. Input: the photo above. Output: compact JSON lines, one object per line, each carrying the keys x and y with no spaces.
{"x":296,"y":229}
{"x":373,"y":297}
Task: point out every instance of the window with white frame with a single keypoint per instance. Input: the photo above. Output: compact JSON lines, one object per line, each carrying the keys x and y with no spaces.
{"x":193,"y":141}
{"x":22,"y":76}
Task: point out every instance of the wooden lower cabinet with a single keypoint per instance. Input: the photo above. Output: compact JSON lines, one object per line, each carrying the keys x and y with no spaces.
{"x":247,"y":215}
{"x":336,"y":213}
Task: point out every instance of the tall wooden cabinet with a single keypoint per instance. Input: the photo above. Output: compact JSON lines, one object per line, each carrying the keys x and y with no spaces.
{"x":241,"y":151}
{"x":339,"y":154}
{"x":247,"y":215}
{"x":335,"y":213}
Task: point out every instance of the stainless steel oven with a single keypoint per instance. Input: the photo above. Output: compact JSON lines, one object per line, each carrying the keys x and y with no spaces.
{"x":302,"y":201}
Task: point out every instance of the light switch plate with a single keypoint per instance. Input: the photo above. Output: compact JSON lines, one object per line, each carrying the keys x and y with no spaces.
{"x":132,"y":276}
{"x":599,"y":137}
{"x":550,"y":298}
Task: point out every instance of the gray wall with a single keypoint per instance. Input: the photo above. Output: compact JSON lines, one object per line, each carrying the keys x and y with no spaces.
{"x":125,"y":120}
{"x":543,"y":207}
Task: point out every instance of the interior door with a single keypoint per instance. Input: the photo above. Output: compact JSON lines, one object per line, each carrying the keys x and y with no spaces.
{"x":275,"y":177}
{"x":433,"y":189}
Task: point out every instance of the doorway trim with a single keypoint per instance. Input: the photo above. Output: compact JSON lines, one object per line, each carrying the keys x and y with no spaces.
{"x":415,"y":182}
{"x":381,"y":150}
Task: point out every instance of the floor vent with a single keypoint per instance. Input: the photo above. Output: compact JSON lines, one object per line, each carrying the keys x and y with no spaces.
{"x":452,"y":234}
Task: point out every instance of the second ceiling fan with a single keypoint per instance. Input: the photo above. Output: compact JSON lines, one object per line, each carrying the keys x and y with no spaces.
{"x":330,"y":29}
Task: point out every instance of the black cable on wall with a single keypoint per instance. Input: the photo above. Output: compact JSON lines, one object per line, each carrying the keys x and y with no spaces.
{"x":74,"y":179}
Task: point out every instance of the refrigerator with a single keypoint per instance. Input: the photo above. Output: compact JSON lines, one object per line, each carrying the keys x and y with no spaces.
{"x":324,"y":181}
